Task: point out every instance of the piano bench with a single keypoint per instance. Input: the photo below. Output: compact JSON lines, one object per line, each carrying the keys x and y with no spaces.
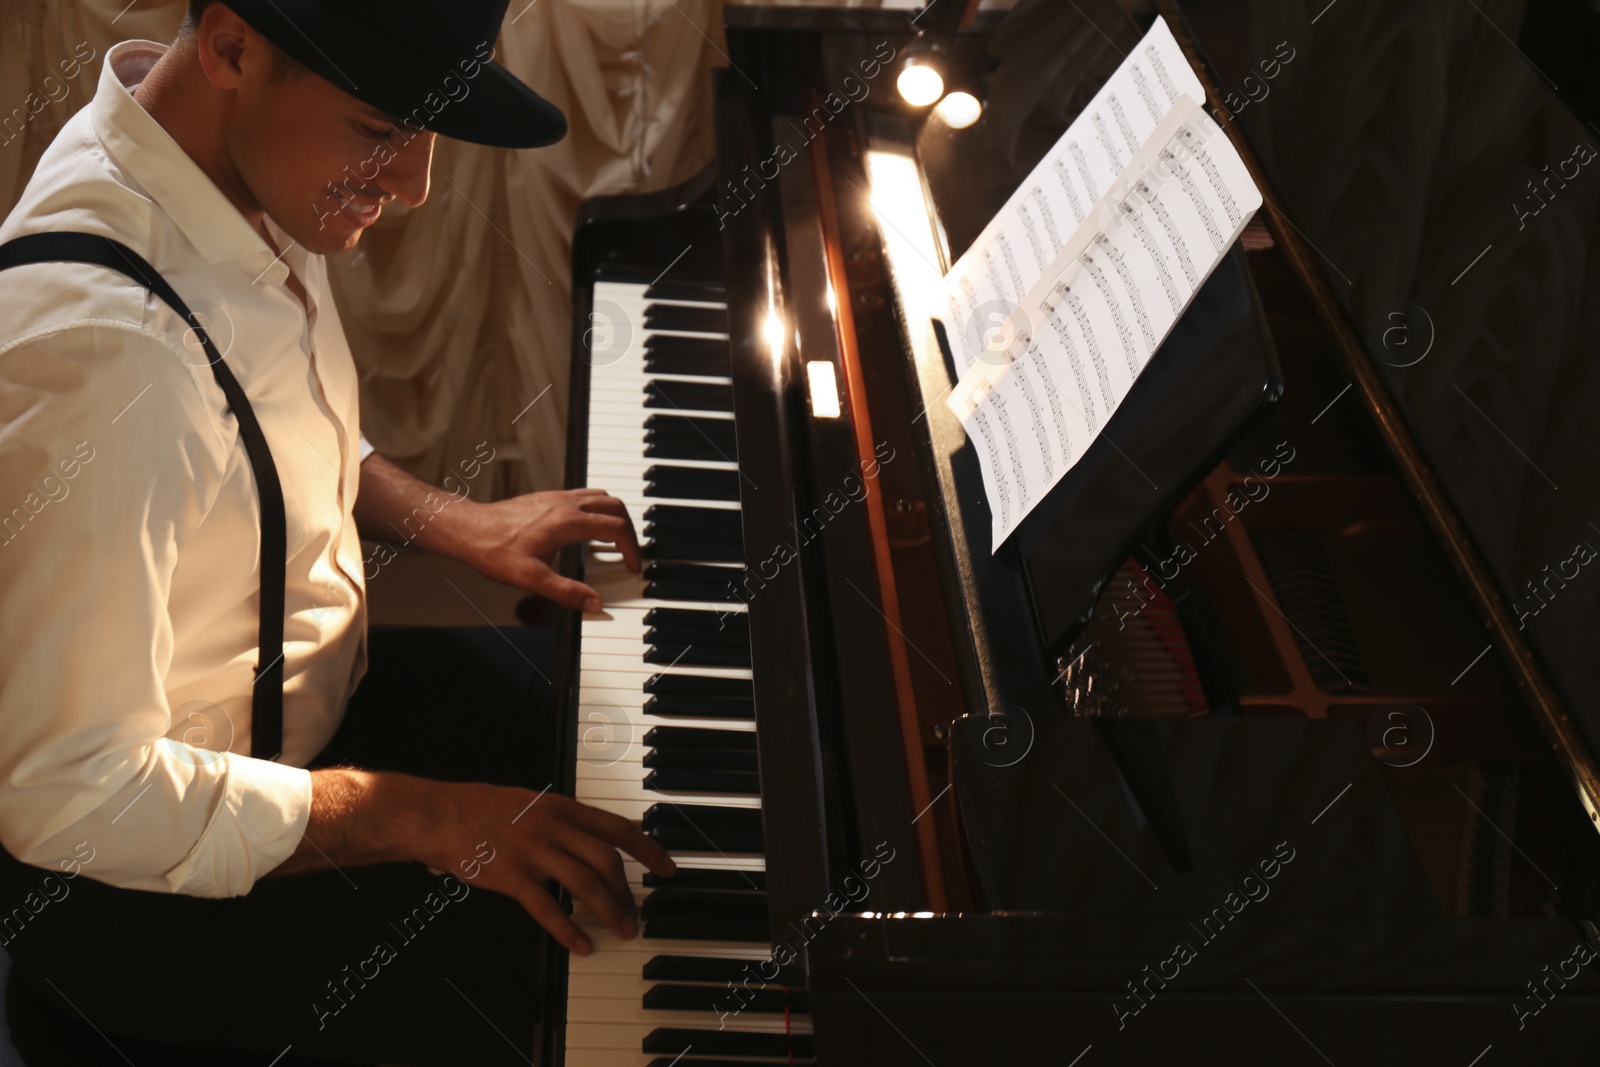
{"x":47,"y":1037}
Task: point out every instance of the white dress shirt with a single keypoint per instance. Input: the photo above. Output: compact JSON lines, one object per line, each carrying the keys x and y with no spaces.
{"x":130,"y":525}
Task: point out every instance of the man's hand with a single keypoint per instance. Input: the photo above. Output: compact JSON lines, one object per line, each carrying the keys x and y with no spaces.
{"x":515,"y":541}
{"x":361,"y":817}
{"x":544,"y":838}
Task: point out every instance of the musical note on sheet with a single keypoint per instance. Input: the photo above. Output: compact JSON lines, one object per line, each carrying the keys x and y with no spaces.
{"x":1071,"y":288}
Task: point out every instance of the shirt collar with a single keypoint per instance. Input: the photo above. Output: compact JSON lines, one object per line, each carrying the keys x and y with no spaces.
{"x":152,"y":158}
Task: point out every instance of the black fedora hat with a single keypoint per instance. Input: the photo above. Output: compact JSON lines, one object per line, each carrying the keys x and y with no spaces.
{"x":422,"y":61}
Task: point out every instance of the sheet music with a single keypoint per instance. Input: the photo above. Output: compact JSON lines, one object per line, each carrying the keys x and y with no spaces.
{"x":1022,"y":240}
{"x":1034,"y":395}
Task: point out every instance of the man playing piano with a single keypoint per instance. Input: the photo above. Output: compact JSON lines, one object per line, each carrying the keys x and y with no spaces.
{"x":229,"y":900}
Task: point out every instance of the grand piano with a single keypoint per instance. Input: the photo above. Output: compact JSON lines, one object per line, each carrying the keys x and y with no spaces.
{"x":1270,"y":738}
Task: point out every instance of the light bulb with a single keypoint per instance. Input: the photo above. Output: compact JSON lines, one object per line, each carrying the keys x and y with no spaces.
{"x":959,"y":110}
{"x":920,"y":85}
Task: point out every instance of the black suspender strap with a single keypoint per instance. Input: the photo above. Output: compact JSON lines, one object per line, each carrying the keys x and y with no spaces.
{"x":266,"y":733}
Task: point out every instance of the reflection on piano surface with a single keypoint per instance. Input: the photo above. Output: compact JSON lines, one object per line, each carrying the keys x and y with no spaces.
{"x":1236,"y":747}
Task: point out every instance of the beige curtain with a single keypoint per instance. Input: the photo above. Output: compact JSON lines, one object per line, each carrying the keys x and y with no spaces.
{"x":459,"y":313}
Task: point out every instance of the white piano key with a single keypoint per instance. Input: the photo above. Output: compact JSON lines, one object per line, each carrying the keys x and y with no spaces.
{"x":623,"y":789}
{"x":634,"y":627}
{"x":624,"y":664}
{"x":630,"y":1035}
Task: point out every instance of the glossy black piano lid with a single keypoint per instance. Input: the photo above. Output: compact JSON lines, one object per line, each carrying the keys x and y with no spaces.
{"x":1403,"y":139}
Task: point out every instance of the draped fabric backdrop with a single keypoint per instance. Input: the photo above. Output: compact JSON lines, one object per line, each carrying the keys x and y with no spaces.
{"x":459,"y":313}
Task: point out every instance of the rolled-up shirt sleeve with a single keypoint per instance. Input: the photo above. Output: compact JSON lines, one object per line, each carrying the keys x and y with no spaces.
{"x":109,"y":457}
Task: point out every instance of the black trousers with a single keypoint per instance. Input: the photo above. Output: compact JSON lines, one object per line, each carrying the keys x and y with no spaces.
{"x":387,"y":963}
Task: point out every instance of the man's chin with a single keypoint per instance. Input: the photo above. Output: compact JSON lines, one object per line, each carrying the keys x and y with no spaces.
{"x":327,"y":240}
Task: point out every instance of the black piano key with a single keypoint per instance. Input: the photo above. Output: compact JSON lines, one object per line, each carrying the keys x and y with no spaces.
{"x":704,"y":828}
{"x":699,"y":737}
{"x":684,"y":289}
{"x":677,"y":839}
{"x":699,"y":654}
{"x":678,"y":532}
{"x":668,"y":707}
{"x":717,"y":435}
{"x":687,"y":396}
{"x":710,"y":361}
{"x":729,"y":783}
{"x":707,"y":878}
{"x":690,"y":619}
{"x":690,"y":591}
{"x":674,"y":898}
{"x":680,"y":445}
{"x":702,"y":759}
{"x":691,"y":444}
{"x":692,"y":572}
{"x":720,"y":532}
{"x":703,"y":346}
{"x":697,"y":634}
{"x":657,"y":446}
{"x":718,"y":969}
{"x":693,"y":483}
{"x":685,"y":319}
{"x":773,"y":999}
{"x":676,"y":634}
{"x":681,"y":1060}
{"x":713,"y":522}
{"x":701,"y":816}
{"x":724,"y":926}
{"x":695,"y":685}
{"x":668,"y":424}
{"x":690,"y":548}
{"x":673,"y":1040}
{"x":672,"y":580}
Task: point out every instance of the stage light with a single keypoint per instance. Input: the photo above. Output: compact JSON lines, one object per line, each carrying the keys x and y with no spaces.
{"x":959,"y":110}
{"x":919,"y":84}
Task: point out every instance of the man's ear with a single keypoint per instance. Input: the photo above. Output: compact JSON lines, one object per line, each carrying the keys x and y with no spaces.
{"x":231,"y":51}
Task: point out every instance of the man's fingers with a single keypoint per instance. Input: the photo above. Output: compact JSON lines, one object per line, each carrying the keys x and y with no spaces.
{"x":601,"y":858}
{"x":586,"y":525}
{"x":590,"y":888}
{"x":548,"y":914}
{"x":628,"y":544}
{"x":622,"y":834}
{"x":566,"y":592}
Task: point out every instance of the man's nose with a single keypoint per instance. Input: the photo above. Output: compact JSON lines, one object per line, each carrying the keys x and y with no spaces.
{"x":407,"y":175}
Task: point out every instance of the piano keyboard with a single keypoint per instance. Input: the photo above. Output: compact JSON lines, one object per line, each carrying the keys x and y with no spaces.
{"x":666,"y":725}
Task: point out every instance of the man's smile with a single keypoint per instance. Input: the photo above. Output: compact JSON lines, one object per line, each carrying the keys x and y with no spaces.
{"x":359,"y":211}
